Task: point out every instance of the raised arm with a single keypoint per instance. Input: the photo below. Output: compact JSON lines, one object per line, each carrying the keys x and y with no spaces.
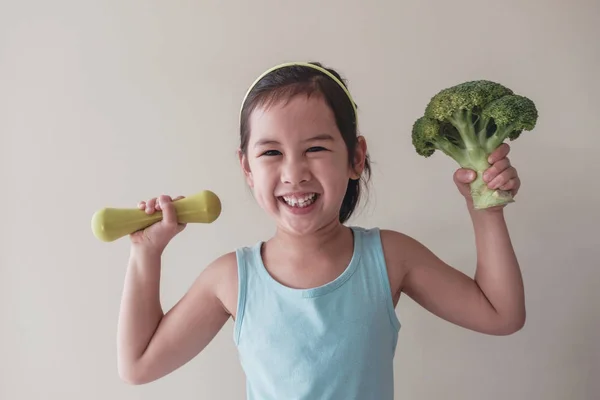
{"x":493,"y":301}
{"x":151,"y":344}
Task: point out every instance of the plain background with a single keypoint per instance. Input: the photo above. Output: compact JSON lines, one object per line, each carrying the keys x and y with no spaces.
{"x":105,"y":103}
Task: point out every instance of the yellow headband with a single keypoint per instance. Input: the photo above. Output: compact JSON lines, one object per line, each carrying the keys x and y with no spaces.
{"x":305,"y":64}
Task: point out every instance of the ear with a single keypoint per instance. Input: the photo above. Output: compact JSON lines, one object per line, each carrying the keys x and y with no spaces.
{"x":360,"y":156}
{"x":243,"y":159}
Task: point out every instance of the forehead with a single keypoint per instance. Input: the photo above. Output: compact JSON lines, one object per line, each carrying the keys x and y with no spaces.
{"x":294,"y":118}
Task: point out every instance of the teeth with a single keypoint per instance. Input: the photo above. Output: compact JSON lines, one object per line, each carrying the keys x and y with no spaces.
{"x":300,"y":201}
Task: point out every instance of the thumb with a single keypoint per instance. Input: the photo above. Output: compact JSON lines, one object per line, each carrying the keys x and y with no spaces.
{"x":464,"y":176}
{"x":169,"y":212}
{"x":170,"y":217}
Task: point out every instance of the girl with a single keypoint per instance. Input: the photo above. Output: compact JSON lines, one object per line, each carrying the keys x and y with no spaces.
{"x":313,"y":306}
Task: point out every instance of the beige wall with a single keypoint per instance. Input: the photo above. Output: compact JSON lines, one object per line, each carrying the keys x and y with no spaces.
{"x":107,"y":103}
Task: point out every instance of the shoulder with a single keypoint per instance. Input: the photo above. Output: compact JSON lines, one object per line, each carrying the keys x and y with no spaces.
{"x":401,"y":253}
{"x":399,"y":247}
{"x":221,"y":275}
{"x":223,"y":266}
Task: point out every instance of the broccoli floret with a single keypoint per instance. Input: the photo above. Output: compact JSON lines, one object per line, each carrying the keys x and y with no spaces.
{"x":468,"y":122}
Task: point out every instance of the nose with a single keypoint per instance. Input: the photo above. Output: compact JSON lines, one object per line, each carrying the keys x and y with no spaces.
{"x":295,"y":171}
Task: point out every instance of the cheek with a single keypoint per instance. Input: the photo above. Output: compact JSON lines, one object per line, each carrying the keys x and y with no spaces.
{"x":264,"y":176}
{"x":335,"y":174}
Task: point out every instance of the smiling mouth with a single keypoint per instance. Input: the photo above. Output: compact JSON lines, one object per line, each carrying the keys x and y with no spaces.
{"x":299,"y":201}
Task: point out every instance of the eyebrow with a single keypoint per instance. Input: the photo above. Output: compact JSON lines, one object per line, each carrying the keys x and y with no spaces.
{"x":319,"y":138}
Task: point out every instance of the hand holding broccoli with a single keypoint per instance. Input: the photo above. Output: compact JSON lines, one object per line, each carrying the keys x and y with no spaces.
{"x":500,"y":175}
{"x":469,"y":122}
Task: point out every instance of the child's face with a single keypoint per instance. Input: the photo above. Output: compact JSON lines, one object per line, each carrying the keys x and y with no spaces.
{"x":297,"y":163}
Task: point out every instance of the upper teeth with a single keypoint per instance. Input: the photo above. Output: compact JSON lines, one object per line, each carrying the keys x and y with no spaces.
{"x":301,"y":201}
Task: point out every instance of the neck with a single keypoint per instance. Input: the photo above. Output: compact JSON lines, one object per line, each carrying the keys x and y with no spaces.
{"x":304,"y":245}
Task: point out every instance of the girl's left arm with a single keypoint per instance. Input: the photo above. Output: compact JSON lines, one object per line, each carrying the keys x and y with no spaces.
{"x":491,"y":302}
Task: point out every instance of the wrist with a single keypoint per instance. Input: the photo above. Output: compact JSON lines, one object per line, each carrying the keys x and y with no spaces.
{"x":488,"y":215}
{"x":143,"y":252}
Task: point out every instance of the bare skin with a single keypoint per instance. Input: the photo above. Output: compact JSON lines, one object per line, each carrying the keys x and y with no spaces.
{"x":152,"y":343}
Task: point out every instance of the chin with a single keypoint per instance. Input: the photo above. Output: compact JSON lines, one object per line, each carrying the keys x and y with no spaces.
{"x":300,"y":225}
{"x":298,"y":229}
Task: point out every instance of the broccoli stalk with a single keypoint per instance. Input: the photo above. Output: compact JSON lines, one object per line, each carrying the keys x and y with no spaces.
{"x":467,"y":122}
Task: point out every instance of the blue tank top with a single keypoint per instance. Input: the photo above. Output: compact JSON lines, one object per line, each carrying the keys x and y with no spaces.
{"x":335,"y":341}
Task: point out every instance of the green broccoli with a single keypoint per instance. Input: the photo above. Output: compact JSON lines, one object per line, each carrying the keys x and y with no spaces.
{"x":468,"y":122}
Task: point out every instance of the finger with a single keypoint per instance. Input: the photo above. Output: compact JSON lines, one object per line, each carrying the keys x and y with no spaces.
{"x":178,"y":198}
{"x":512,"y":185}
{"x":500,"y":152}
{"x":169,"y":213}
{"x":151,"y":205}
{"x":464,"y":175}
{"x":503,"y":178}
{"x":142,"y":205}
{"x":496,"y":168}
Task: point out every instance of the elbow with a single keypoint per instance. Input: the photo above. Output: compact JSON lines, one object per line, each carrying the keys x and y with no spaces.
{"x":130,"y":377}
{"x":510,"y":329}
{"x":132,"y":374}
{"x":511,"y":326}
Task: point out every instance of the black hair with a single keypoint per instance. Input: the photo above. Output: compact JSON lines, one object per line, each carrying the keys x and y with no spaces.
{"x":284,"y":83}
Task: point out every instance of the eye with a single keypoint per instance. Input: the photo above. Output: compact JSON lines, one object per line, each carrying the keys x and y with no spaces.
{"x":271,"y":153}
{"x":316,"y":148}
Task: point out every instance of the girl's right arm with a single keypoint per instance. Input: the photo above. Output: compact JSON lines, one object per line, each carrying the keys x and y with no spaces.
{"x":151,"y":344}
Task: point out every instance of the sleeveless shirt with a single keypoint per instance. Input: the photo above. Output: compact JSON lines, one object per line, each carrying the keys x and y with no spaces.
{"x":335,"y":341}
